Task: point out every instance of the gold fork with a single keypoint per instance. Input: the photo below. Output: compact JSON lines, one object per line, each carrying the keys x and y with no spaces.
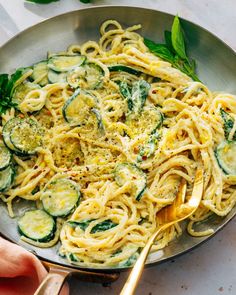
{"x":168,"y":216}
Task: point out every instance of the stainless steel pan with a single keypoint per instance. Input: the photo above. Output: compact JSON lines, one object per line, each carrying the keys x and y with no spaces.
{"x":216,"y":67}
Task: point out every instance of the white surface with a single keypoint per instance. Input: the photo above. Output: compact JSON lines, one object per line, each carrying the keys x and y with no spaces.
{"x":210,"y":269}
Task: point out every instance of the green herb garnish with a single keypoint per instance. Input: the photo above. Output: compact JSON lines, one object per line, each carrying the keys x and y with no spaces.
{"x":6,"y":86}
{"x":174,"y":50}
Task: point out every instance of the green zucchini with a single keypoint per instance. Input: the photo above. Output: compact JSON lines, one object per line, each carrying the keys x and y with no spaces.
{"x":5,"y":156}
{"x":81,"y":224}
{"x":130,"y":261}
{"x":125,"y":91}
{"x":37,"y":225}
{"x":102,"y":226}
{"x":139,"y":95}
{"x":56,"y":77}
{"x":149,"y":120}
{"x":73,"y":257}
{"x":148,"y":149}
{"x":127,"y":172}
{"x":40,"y":73}
{"x":135,"y":95}
{"x":225,"y":155}
{"x":22,"y":90}
{"x":88,"y":76}
{"x":7,"y":128}
{"x":14,"y":80}
{"x":6,"y":178}
{"x":78,"y":109}
{"x":123,"y":68}
{"x":60,"y":197}
{"x":99,"y":119}
{"x":228,"y":122}
{"x":65,"y":63}
{"x":26,"y":136}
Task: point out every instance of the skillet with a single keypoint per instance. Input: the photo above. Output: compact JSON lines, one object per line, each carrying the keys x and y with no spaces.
{"x":216,"y":68}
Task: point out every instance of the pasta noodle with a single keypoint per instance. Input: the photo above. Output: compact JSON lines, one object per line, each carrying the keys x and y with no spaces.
{"x":89,"y":155}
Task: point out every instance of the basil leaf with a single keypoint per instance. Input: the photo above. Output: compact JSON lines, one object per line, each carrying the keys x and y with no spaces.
{"x":5,"y":100}
{"x":177,"y":38}
{"x":188,"y":67}
{"x":105,"y":225}
{"x":160,"y":50}
{"x":168,"y":41}
{"x":3,"y":85}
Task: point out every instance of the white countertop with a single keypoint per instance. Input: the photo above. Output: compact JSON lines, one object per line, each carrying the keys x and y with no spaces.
{"x":211,"y":268}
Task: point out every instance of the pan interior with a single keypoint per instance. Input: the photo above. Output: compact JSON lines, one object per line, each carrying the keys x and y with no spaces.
{"x":216,"y":68}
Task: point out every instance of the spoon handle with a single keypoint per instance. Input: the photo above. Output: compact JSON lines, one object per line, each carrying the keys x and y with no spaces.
{"x":137,"y":270}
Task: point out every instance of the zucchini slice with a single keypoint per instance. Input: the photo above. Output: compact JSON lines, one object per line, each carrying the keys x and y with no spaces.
{"x":65,"y":63}
{"x":77,"y":110}
{"x":83,"y":224}
{"x":40,"y":73}
{"x":5,"y":156}
{"x":225,"y":155}
{"x":136,"y":95}
{"x":88,"y":76}
{"x":60,"y":197}
{"x":22,"y":90}
{"x":147,"y":122}
{"x":37,"y":225}
{"x":99,"y":119}
{"x":56,"y":77}
{"x":6,"y":178}
{"x":17,"y":78}
{"x":103,"y":226}
{"x":228,"y":122}
{"x":127,"y":172}
{"x":123,"y":68}
{"x":149,"y":148}
{"x":26,"y":136}
{"x":10,"y":124}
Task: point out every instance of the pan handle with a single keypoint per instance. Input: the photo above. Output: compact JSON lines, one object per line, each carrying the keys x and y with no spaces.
{"x":53,"y":282}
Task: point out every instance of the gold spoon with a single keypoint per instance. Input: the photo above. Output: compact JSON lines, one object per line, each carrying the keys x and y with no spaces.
{"x":168,"y":216}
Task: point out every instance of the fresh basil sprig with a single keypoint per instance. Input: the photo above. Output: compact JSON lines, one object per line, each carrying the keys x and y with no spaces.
{"x":174,"y":50}
{"x":6,"y":86}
